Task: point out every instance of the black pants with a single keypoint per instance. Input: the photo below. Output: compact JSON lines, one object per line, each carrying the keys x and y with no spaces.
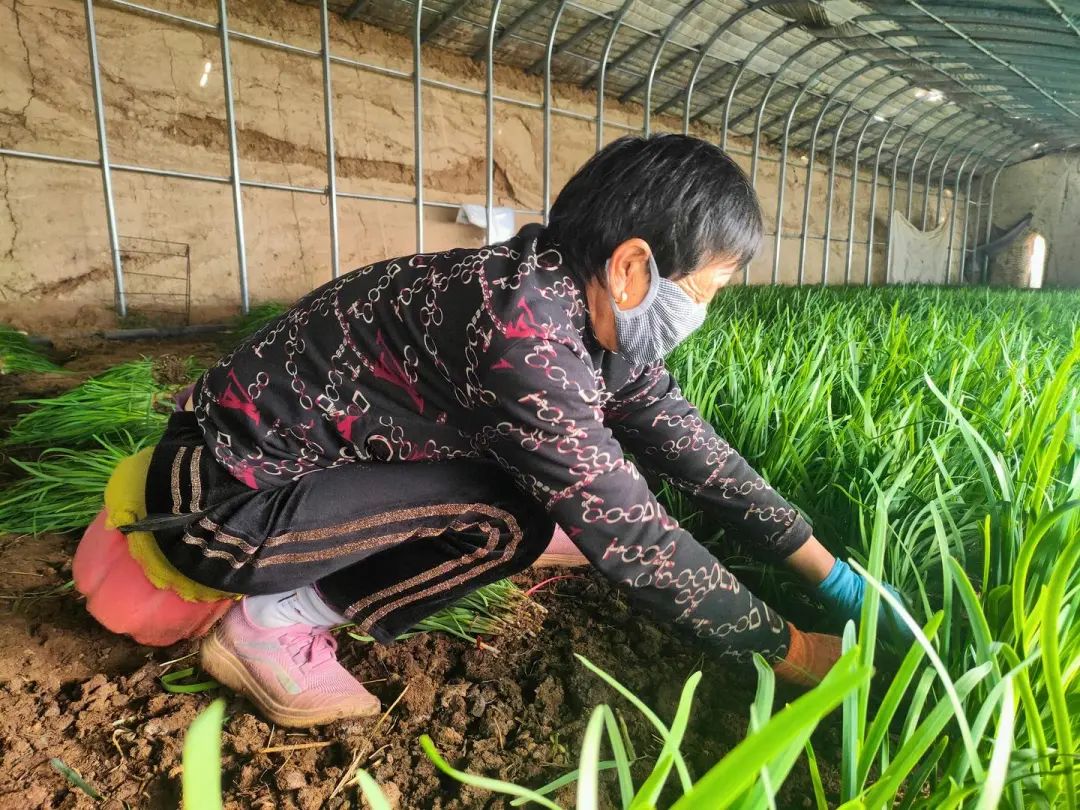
{"x":385,"y":544}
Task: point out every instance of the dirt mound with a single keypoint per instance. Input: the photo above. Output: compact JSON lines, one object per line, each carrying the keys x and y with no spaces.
{"x":72,"y":691}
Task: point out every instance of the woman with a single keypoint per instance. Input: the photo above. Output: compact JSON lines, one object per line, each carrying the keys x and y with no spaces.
{"x":417,"y":428}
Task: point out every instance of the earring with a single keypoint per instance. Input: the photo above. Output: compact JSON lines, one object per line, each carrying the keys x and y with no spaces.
{"x":623,"y":297}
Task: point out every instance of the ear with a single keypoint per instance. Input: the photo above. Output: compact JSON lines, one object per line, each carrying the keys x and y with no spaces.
{"x":628,"y":272}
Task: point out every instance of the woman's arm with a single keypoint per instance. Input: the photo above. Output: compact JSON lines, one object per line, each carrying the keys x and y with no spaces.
{"x":539,"y":416}
{"x":667,"y":435}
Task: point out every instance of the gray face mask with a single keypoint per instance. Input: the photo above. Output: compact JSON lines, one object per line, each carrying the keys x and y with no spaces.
{"x":663,"y":320}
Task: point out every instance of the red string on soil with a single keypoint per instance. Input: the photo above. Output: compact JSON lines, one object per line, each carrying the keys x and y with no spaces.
{"x":549,"y":581}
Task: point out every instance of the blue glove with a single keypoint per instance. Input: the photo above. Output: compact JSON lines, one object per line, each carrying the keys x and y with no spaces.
{"x":843,"y":592}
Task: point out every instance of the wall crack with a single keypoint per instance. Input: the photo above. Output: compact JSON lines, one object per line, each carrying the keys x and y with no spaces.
{"x":9,"y":254}
{"x":29,"y":67}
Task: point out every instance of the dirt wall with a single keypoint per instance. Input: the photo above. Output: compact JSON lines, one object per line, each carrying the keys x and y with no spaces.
{"x":1050,"y":189}
{"x":55,"y":265}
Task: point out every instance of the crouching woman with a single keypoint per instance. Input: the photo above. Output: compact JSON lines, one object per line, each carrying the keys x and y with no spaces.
{"x":418,"y":428}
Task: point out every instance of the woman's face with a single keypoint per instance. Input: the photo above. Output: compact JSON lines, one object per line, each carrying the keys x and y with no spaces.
{"x":628,"y":282}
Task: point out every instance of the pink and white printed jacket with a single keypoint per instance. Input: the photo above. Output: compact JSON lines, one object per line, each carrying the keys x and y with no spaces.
{"x":488,"y":353}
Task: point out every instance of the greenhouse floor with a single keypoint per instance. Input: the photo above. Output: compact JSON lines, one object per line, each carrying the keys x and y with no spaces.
{"x":74,"y":692}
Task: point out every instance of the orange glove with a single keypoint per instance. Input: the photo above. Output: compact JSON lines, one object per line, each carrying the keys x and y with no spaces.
{"x":810,"y":656}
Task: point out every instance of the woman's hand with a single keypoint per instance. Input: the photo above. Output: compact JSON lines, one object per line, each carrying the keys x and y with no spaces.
{"x":810,"y":657}
{"x":843,"y":592}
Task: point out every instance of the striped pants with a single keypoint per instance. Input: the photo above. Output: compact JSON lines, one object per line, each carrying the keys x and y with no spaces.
{"x":385,"y":544}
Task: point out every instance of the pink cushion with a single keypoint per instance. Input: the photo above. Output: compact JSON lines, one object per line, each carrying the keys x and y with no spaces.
{"x":120,"y":597}
{"x":561,"y":552}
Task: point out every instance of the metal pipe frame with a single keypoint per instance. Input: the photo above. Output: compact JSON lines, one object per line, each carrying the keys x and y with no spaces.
{"x":1006,"y":149}
{"x":883,"y":37}
{"x":918,"y":151}
{"x":510,"y":29}
{"x":874,"y":186}
{"x":119,"y":293}
{"x":994,"y":57}
{"x":808,"y":188}
{"x":1005,"y":162}
{"x":719,"y":31}
{"x":996,"y":144}
{"x":489,"y":163}
{"x":782,"y":183}
{"x":234,"y":157}
{"x":676,"y":21}
{"x":956,"y":196}
{"x":666,"y":40}
{"x":851,"y":107}
{"x":930,"y":166}
{"x":977,"y":228}
{"x":871,"y":118}
{"x":547,"y":106}
{"x":703,"y":51}
{"x":983,"y":201}
{"x":418,"y":122}
{"x":941,"y":142}
{"x":328,"y":115}
{"x":892,"y":199}
{"x":957,"y":148}
{"x":805,"y":49}
{"x":601,"y":76}
{"x":575,"y":38}
{"x":779,"y":32}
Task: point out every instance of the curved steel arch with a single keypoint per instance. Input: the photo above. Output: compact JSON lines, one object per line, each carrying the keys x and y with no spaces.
{"x":918,"y":152}
{"x":957,"y":148}
{"x":602,"y":70}
{"x":1006,"y":149}
{"x":779,"y":32}
{"x":851,"y":106}
{"x":720,"y":30}
{"x":489,"y":156}
{"x":994,"y":143}
{"x":796,"y":56}
{"x":676,"y":21}
{"x":871,"y":118}
{"x":548,"y":56}
{"x":930,"y":167}
{"x":808,"y":188}
{"x":990,"y":207}
{"x":782,"y":183}
{"x":874,"y":185}
{"x":703,"y":51}
{"x":892,"y":196}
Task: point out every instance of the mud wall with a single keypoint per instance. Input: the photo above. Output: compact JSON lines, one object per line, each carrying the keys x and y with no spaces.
{"x":1050,"y":189}
{"x":55,"y":266}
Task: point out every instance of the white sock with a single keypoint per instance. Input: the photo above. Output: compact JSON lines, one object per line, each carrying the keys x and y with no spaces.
{"x":302,"y":606}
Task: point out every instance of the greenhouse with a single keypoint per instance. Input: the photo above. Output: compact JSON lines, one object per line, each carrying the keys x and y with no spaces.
{"x":520,"y":403}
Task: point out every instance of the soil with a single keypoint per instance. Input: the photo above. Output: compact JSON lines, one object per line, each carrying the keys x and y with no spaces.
{"x":74,"y":692}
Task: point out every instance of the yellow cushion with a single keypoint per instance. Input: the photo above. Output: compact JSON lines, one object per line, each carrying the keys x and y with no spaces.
{"x":125,"y":502}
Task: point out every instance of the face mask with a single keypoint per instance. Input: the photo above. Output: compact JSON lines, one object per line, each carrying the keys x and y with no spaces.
{"x":662,"y":321}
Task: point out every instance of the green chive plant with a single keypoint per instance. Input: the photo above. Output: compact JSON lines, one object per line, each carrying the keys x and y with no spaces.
{"x":749,"y":776}
{"x":62,"y":490}
{"x":933,"y":436}
{"x":124,"y":400}
{"x":19,"y":356}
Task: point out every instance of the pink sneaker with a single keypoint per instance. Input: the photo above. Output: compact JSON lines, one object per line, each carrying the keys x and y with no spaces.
{"x":291,"y":673}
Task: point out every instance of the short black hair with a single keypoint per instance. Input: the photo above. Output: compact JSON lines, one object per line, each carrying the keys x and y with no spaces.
{"x":684,"y":196}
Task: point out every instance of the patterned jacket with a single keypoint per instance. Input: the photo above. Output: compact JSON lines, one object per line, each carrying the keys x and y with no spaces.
{"x":488,"y":353}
